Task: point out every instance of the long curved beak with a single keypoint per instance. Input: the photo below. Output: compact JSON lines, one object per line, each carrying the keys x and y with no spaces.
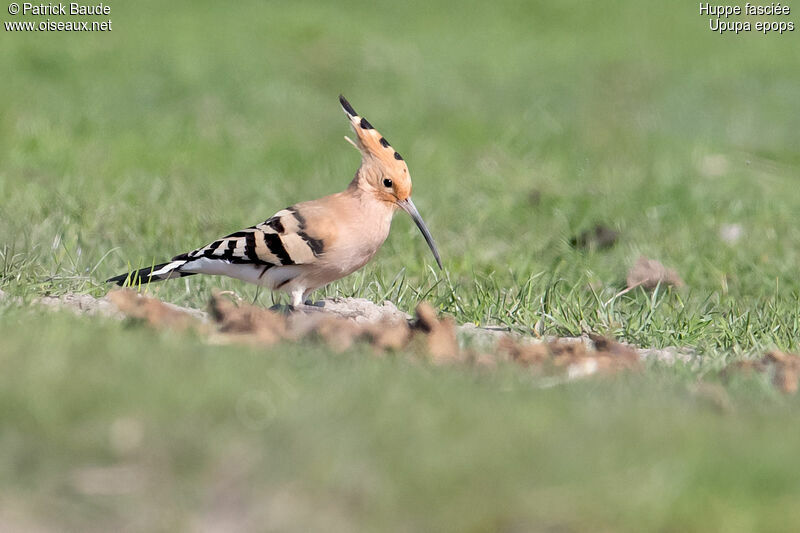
{"x":409,"y":207}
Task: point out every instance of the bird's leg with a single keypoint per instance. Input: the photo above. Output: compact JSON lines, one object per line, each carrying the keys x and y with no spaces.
{"x":297,"y":306}
{"x":299,"y":302}
{"x":297,"y":296}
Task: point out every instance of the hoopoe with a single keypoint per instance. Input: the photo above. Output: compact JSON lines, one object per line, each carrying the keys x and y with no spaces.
{"x":311,"y":244}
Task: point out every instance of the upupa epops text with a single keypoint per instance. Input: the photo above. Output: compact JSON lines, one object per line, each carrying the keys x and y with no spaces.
{"x":308,"y":245}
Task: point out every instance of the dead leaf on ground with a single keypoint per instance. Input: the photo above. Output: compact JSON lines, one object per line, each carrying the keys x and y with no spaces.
{"x":649,"y":273}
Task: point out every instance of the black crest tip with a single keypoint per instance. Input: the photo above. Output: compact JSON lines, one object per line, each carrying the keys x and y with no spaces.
{"x":365,"y":125}
{"x":347,"y":107}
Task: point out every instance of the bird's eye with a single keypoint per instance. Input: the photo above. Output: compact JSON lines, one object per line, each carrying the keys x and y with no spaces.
{"x":387,"y":182}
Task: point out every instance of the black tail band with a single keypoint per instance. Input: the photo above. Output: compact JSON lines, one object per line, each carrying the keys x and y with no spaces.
{"x":144,"y":275}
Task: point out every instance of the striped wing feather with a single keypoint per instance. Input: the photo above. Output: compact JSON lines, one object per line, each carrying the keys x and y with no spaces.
{"x":280,"y":240}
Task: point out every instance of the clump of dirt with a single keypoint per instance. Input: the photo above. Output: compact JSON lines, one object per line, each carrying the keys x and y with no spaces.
{"x":649,"y":273}
{"x":440,"y":334}
{"x":246,"y":323}
{"x":385,"y":328}
{"x":784,"y":369}
{"x":152,"y":311}
{"x":389,"y":335}
{"x":524,"y":353}
{"x":427,"y":333}
{"x":577,"y":357}
{"x":338,"y":333}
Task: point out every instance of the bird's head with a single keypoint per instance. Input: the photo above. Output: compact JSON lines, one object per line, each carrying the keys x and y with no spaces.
{"x":383,"y":172}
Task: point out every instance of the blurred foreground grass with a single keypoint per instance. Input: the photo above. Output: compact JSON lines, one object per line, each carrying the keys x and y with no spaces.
{"x":522,"y":125}
{"x":112,"y":427}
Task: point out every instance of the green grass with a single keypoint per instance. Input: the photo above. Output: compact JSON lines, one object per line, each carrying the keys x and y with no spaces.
{"x":191,"y":120}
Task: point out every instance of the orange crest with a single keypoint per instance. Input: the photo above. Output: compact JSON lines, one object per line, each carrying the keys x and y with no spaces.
{"x":379,"y":161}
